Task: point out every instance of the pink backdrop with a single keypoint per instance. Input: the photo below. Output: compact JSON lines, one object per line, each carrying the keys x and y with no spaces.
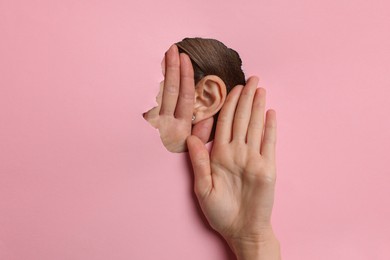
{"x":83,"y":176}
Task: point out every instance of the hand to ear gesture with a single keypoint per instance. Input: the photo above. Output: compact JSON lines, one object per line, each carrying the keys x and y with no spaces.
{"x":235,"y":183}
{"x":173,"y":117}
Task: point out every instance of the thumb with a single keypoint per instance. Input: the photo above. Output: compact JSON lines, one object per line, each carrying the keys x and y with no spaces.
{"x":203,"y":129}
{"x":200,"y":160}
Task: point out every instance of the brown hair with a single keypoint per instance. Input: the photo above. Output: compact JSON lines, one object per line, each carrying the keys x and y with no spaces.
{"x":212,"y":57}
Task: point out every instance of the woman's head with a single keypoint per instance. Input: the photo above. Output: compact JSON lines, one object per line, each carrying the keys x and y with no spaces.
{"x":212,"y":57}
{"x":217,"y":69}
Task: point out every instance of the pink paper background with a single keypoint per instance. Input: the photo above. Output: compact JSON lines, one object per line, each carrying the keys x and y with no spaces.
{"x":83,"y":176}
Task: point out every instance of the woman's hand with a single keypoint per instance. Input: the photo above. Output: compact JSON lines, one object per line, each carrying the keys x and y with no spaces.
{"x":173,"y":115}
{"x":235,"y":182}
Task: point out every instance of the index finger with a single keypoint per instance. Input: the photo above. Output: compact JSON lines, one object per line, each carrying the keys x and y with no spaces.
{"x":185,"y":104}
{"x":223,"y":132}
{"x":171,"y":81}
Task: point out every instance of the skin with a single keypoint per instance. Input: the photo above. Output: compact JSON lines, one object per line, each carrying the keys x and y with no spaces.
{"x":235,"y":182}
{"x":173,"y":114}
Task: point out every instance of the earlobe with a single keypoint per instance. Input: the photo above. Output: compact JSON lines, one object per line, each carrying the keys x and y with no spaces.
{"x":210,"y":95}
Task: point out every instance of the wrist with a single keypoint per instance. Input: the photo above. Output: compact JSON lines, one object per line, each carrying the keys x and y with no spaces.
{"x":265,"y":246}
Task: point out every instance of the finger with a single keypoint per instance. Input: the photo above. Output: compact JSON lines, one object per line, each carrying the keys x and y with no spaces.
{"x":185,"y":104}
{"x":159,"y":97}
{"x":223,"y":132}
{"x":171,"y":81}
{"x":243,"y":111}
{"x":203,"y":129}
{"x":200,"y":160}
{"x":151,"y":113}
{"x":163,"y":66}
{"x":268,"y":144}
{"x":256,"y":123}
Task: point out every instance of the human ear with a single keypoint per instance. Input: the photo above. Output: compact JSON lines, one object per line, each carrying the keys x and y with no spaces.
{"x":210,"y":95}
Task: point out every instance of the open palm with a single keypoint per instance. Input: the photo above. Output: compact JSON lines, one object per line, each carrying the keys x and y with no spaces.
{"x":235,"y":182}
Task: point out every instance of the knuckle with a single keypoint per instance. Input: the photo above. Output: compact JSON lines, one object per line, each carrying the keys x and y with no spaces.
{"x":266,"y":175}
{"x":269,"y":139}
{"x":270,"y":126}
{"x":258,"y":103}
{"x":173,"y":64}
{"x":171,"y":89}
{"x":246,"y":93}
{"x":255,"y":125}
{"x":202,"y":161}
{"x":267,"y":179}
{"x":241,"y":116}
{"x":223,"y":119}
{"x":186,"y":95}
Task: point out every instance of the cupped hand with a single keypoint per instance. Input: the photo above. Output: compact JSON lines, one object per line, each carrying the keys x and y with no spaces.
{"x":235,"y":183}
{"x":173,"y":115}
